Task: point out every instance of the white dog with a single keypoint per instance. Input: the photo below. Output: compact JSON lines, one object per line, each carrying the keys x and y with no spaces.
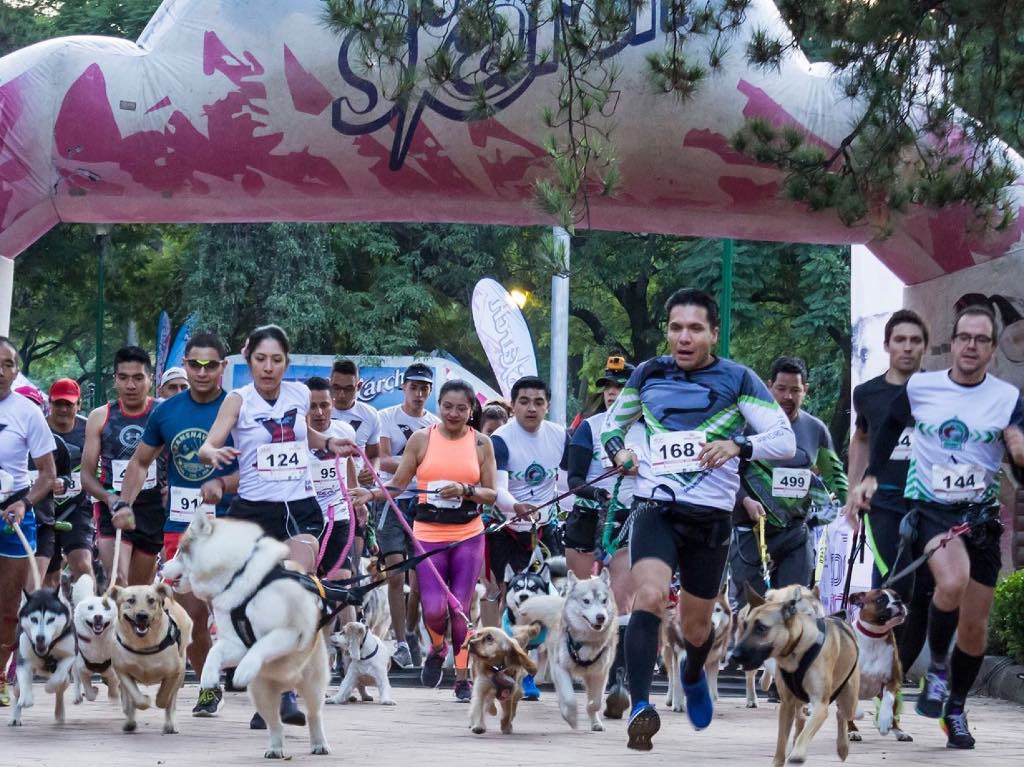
{"x":280,"y":648}
{"x":94,"y":624}
{"x":581,"y":642}
{"x":46,"y":648}
{"x":366,"y":662}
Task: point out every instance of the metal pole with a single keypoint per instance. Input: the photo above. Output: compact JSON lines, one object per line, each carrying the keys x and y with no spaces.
{"x":102,"y":244}
{"x":725,"y":332}
{"x":560,"y":326}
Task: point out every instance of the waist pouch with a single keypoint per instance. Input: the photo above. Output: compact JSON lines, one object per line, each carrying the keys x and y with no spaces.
{"x":426,"y":512}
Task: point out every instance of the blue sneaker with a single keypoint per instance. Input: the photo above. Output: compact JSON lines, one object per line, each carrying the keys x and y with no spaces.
{"x":699,"y":707}
{"x":530,"y":691}
{"x":644,"y":724}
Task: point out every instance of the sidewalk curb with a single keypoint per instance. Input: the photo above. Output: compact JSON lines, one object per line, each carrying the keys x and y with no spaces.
{"x":1001,"y":678}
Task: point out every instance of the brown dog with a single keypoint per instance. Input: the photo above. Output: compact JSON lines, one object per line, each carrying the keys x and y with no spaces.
{"x":151,"y":636}
{"x":672,"y":649}
{"x":499,"y":664}
{"x":881,"y":675}
{"x":817,"y":663}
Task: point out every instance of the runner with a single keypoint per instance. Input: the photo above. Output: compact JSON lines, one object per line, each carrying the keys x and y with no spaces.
{"x":694,"y":407}
{"x":178,"y":426}
{"x":73,"y":505}
{"x":528,"y":451}
{"x":906,"y":338}
{"x":964,"y":420}
{"x":494,"y":415}
{"x":787,"y":494}
{"x":23,"y":435}
{"x":587,"y":528}
{"x":398,"y":423}
{"x":173,"y":381}
{"x":453,"y":467}
{"x":266,"y":422}
{"x":112,"y":433}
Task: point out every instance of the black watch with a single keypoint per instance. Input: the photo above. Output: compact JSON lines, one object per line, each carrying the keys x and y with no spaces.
{"x":745,"y":445}
{"x":120,"y":505}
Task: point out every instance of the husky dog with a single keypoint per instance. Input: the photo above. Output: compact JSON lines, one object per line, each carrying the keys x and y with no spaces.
{"x":581,"y":641}
{"x":365,"y":663}
{"x":280,"y":646}
{"x":46,"y":648}
{"x":94,"y":620}
{"x":673,"y":652}
{"x":534,"y":581}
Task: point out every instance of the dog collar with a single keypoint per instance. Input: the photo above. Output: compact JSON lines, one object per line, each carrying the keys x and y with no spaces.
{"x":503,"y":682}
{"x":172,"y":638}
{"x":375,"y":649}
{"x":868,"y":632}
{"x":574,"y":648}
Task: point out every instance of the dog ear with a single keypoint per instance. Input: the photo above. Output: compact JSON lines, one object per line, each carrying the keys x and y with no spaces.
{"x":163,"y":590}
{"x":753,"y":598}
{"x":115,"y":594}
{"x":789,"y":610}
{"x":544,"y":573}
{"x":509,"y":572}
{"x":857,"y":599}
{"x":517,"y":656}
{"x":817,"y":592}
{"x":570,"y":581}
{"x":606,"y":576}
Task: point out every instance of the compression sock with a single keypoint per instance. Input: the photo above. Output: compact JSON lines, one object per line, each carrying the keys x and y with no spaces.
{"x":695,"y":657}
{"x":941,"y":627}
{"x":619,"y":662}
{"x":641,"y":653}
{"x":963,"y":670}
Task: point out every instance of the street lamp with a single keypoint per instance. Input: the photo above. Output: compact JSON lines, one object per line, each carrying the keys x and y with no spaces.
{"x":519,"y":297}
{"x":102,"y":243}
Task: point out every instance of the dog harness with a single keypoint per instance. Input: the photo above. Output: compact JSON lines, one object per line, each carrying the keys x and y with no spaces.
{"x":794,"y":680}
{"x":574,"y":648}
{"x":172,"y":638}
{"x":49,"y":662}
{"x":533,"y":644}
{"x":96,"y":668}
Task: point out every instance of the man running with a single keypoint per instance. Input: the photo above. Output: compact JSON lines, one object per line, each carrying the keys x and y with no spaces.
{"x":786,"y":494}
{"x":72,"y":505}
{"x":173,"y":381}
{"x":528,"y":452}
{"x":397,"y":424}
{"x":180,"y":425}
{"x":906,"y":339}
{"x":112,"y":433}
{"x":964,"y":421}
{"x":694,"y":407}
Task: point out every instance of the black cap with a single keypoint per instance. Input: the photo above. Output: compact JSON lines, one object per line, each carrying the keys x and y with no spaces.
{"x":615,"y":377}
{"x":417,"y":371}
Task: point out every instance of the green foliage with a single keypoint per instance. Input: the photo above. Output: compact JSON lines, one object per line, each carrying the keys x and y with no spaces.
{"x":1007,"y":620}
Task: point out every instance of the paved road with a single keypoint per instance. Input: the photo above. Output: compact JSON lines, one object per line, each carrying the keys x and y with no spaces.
{"x":428,"y":729}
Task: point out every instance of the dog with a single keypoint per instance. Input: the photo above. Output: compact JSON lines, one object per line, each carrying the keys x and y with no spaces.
{"x":581,"y":641}
{"x":673,"y":650}
{"x":94,"y":618}
{"x":881,"y":675}
{"x":46,"y":648}
{"x":376,"y":614}
{"x":534,"y":581}
{"x":499,"y":663}
{"x":151,"y":636}
{"x":817,"y":663}
{"x":225,"y":562}
{"x":366,"y":662}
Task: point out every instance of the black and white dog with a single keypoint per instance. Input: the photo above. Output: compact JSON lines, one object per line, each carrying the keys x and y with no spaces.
{"x":46,"y":648}
{"x":520,"y":587}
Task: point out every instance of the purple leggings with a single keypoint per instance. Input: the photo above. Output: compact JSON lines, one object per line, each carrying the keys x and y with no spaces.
{"x":460,"y":569}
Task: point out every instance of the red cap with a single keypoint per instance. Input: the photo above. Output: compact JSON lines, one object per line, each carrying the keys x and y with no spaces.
{"x":32,"y":393}
{"x":65,"y":389}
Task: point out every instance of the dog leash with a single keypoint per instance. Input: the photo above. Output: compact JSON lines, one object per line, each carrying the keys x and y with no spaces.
{"x":15,"y":527}
{"x":330,"y":525}
{"x":860,"y":537}
{"x":762,"y":547}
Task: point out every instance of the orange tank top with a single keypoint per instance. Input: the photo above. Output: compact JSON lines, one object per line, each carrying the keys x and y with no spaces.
{"x":449,"y":460}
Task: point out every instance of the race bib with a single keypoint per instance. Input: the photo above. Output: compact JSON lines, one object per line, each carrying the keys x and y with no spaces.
{"x":791,"y":483}
{"x":325,"y":476}
{"x":675,"y":452}
{"x":6,"y":484}
{"x":902,"y":450}
{"x":186,"y":501}
{"x":437,"y":501}
{"x":118,"y":468}
{"x":340,"y":510}
{"x":72,"y":487}
{"x":958,"y":479}
{"x":282,"y":461}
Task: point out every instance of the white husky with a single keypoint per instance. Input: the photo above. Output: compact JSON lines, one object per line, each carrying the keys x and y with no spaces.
{"x":95,"y":617}
{"x":46,"y":648}
{"x":581,"y":641}
{"x":225,"y":562}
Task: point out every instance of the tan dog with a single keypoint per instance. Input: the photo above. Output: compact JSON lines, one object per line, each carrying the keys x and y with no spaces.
{"x":673,"y":649}
{"x":152,"y":634}
{"x":499,"y":664}
{"x":817,"y":662}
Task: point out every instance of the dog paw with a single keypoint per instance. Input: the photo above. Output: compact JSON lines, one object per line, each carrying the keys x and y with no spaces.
{"x":388,"y":702}
{"x":903,"y":737}
{"x":91,"y":693}
{"x":245,"y":672}
{"x":884,"y":724}
{"x":15,"y":722}
{"x":596,"y":727}
{"x":143,"y":703}
{"x":506,"y":729}
{"x":751,"y":704}
{"x":170,"y":729}
{"x":333,"y":700}
{"x":321,"y":749}
{"x":129,"y":727}
{"x":274,"y":753}
{"x":478,"y":730}
{"x":797,"y":759}
{"x":679,"y":708}
{"x":366,"y":697}
{"x":855,"y":737}
{"x":570,"y":715}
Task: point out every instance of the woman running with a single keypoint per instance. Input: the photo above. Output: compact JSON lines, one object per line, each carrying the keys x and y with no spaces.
{"x":455,"y":472}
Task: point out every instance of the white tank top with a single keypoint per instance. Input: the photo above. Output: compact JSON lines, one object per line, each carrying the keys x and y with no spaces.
{"x":274,"y":460}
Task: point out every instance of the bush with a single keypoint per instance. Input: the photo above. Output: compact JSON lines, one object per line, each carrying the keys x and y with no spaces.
{"x":1007,"y":621}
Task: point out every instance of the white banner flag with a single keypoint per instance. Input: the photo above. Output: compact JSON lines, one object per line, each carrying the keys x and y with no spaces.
{"x":502,"y":330}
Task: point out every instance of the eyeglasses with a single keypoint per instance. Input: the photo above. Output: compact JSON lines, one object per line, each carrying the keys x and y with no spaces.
{"x":200,"y":364}
{"x":967,"y":339}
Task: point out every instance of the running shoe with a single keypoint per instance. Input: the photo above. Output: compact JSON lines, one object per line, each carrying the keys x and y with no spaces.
{"x":530,"y":690}
{"x":954,"y":724}
{"x":933,"y":694}
{"x":699,"y":707}
{"x":402,"y":656}
{"x":463,"y":690}
{"x":617,"y":701}
{"x":415,"y":653}
{"x":644,"y":724}
{"x":290,"y":713}
{"x":209,"y":703}
{"x":257,"y":722}
{"x":5,"y":693}
{"x":433,"y":670}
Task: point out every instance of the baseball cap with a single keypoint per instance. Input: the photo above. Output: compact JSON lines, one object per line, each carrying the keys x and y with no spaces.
{"x":32,"y":393}
{"x":615,"y":376}
{"x":418,"y":372}
{"x":173,"y":374}
{"x":65,"y":389}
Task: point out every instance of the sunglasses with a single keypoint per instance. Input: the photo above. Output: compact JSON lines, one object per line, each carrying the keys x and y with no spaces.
{"x":200,"y":364}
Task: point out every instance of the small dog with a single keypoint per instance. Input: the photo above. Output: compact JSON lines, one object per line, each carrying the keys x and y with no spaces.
{"x":46,"y":648}
{"x":366,"y":662}
{"x":673,"y":650}
{"x":881,"y":675}
{"x":152,"y":633}
{"x":581,"y":642}
{"x":94,"y":624}
{"x":817,"y":662}
{"x":498,"y":662}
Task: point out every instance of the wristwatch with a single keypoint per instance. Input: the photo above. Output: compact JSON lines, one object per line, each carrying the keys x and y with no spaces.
{"x":745,"y":445}
{"x":120,"y":505}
